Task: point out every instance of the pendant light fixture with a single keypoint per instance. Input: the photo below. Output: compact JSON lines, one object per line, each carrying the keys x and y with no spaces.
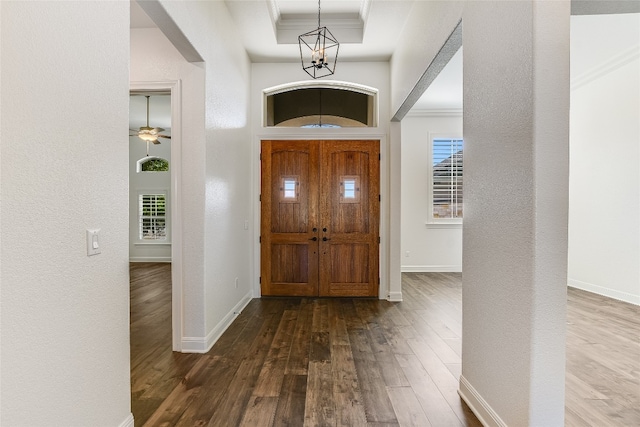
{"x":318,"y":51}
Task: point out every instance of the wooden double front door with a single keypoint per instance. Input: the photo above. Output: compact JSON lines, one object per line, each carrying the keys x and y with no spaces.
{"x":320,"y":218}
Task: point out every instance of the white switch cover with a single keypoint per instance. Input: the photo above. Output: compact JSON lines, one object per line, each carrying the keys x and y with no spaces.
{"x":93,"y":242}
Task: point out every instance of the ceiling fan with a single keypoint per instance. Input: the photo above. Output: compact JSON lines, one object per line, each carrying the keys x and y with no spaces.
{"x":147,"y":133}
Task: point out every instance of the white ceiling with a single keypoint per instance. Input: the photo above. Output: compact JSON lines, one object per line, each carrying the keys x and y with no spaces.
{"x":367,"y":29}
{"x":371,"y":29}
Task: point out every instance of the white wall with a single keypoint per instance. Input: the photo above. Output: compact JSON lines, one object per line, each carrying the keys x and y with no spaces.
{"x":427,"y":29}
{"x":429,"y":248}
{"x":216,"y":173}
{"x":604,"y":203}
{"x":419,"y":43}
{"x":65,"y":316}
{"x":149,"y":182}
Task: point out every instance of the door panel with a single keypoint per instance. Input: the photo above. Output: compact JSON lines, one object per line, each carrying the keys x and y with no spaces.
{"x":289,"y":256}
{"x":320,"y":215}
{"x":349,"y":211}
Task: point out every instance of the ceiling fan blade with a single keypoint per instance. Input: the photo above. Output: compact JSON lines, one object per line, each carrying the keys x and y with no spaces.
{"x":164,"y":136}
{"x":159,"y":130}
{"x":156,"y":142}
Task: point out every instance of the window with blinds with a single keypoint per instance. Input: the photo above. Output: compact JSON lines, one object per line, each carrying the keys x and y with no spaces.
{"x":446,"y":178}
{"x":152,"y":216}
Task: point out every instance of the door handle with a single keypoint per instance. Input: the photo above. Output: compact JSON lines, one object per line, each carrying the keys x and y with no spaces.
{"x":314,"y":238}
{"x":324,"y":239}
{"x":324,"y":229}
{"x":315,"y":229}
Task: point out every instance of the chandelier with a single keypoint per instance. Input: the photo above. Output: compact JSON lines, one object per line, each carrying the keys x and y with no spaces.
{"x":317,"y":51}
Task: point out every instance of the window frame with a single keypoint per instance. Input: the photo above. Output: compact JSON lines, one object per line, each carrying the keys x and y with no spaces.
{"x":139,"y":216}
{"x":431,"y":221}
{"x":140,"y":164}
{"x":284,"y":180}
{"x":370,"y":92}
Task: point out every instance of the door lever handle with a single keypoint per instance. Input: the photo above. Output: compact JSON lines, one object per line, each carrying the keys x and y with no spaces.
{"x":314,"y":238}
{"x":324,"y":239}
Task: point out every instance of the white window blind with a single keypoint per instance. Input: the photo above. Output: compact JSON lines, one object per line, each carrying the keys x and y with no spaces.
{"x":152,"y":216}
{"x":447,"y":171}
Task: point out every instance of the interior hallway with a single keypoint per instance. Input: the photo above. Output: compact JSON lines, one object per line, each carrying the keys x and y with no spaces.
{"x":357,"y":362}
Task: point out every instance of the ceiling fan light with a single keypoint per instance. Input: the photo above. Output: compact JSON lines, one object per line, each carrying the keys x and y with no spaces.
{"x":148,"y":135}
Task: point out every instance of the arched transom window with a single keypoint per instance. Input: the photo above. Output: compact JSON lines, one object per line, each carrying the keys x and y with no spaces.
{"x":326,"y":104}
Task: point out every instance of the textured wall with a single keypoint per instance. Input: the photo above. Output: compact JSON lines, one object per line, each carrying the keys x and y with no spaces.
{"x":516,"y":107}
{"x":223,"y":192}
{"x":65,"y":316}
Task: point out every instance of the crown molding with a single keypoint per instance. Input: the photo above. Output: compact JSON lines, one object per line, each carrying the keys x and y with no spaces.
{"x":439,"y":112}
{"x":606,"y":67}
{"x":347,"y":28}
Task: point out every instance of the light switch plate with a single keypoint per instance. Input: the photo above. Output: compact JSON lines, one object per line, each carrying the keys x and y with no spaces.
{"x":93,"y":242}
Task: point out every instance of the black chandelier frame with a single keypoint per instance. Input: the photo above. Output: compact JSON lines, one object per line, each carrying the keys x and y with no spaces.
{"x":317,"y":45}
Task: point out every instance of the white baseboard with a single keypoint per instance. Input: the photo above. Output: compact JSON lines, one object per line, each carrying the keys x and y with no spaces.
{"x":204,"y":344}
{"x":395,"y":297}
{"x":150,"y":259}
{"x":128,"y":422}
{"x":607,"y":292}
{"x":485,"y":413}
{"x":431,"y":268}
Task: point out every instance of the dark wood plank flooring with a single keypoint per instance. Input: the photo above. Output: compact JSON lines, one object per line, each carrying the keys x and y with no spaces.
{"x":341,"y":362}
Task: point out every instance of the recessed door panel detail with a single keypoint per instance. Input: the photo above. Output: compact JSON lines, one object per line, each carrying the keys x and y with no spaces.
{"x":320,"y":218}
{"x":349,"y":211}
{"x":349,"y":263}
{"x":290,"y":198}
{"x":288,"y":263}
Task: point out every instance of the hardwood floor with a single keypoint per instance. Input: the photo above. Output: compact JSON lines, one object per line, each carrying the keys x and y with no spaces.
{"x":354,"y":362}
{"x":603,"y":361}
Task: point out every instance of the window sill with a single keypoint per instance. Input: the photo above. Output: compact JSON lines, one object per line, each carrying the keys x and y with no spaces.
{"x":444,"y":225}
{"x":152,"y":244}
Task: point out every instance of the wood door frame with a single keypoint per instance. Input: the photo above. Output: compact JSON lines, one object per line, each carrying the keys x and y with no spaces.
{"x":328,"y":134}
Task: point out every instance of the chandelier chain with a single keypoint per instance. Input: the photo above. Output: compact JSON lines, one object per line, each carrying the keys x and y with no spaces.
{"x":318,"y":13}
